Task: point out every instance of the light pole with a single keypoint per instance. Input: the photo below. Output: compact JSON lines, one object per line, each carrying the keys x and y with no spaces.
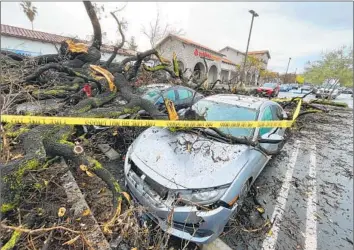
{"x":287,"y":68}
{"x":254,"y":14}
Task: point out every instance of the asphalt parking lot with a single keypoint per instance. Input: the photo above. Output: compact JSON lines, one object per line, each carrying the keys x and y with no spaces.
{"x":341,"y":98}
{"x":307,"y":190}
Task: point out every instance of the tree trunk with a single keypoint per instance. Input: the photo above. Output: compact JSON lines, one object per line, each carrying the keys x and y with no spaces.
{"x":97,"y":34}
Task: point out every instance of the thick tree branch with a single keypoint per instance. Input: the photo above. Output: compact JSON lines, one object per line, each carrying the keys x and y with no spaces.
{"x":97,"y":33}
{"x":119,"y":46}
{"x":61,"y":68}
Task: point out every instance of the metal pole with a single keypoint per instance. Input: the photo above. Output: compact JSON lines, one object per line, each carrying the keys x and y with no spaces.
{"x":287,"y":68}
{"x":254,"y":14}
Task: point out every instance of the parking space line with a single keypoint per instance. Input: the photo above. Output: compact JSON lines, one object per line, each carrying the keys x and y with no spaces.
{"x":311,"y":224}
{"x":270,"y":242}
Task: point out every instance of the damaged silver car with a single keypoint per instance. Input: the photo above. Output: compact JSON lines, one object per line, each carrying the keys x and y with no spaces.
{"x":193,"y":181}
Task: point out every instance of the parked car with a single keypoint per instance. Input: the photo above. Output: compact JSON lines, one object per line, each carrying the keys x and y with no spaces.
{"x":327,"y":90}
{"x":201,"y":186}
{"x":347,"y":91}
{"x":181,"y":96}
{"x":284,"y":88}
{"x":270,"y":89}
{"x":294,"y":86}
{"x":305,"y":88}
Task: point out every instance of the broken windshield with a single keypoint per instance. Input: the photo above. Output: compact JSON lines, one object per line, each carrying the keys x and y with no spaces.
{"x":269,"y":85}
{"x":152,"y":95}
{"x":218,"y":111}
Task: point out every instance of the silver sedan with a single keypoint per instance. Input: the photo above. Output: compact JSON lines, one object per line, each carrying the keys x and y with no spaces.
{"x":194,"y":181}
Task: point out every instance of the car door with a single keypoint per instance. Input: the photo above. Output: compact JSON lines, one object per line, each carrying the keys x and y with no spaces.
{"x":184,"y":98}
{"x":271,"y":113}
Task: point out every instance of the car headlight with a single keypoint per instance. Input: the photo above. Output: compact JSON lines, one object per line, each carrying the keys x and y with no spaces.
{"x":203,"y":196}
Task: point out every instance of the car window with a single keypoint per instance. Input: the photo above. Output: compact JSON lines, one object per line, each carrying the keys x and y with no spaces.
{"x":267,"y":116}
{"x":277,"y":113}
{"x":269,"y":85}
{"x":151,"y":95}
{"x":184,"y":94}
{"x":218,"y":111}
{"x":170,"y":95}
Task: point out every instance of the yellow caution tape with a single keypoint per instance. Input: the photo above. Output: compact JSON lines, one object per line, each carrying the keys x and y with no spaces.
{"x":18,"y":119}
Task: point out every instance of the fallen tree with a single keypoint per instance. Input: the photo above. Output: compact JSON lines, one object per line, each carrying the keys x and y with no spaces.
{"x":84,"y":87}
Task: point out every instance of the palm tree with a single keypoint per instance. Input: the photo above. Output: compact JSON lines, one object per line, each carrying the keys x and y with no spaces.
{"x":29,"y":10}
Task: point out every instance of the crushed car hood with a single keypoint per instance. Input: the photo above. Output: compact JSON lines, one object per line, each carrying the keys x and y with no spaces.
{"x":187,"y":160}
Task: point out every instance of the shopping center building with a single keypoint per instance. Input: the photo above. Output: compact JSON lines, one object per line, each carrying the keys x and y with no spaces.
{"x":222,"y":64}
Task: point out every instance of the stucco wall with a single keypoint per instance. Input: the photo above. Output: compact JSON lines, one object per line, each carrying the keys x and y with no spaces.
{"x":264,"y":59}
{"x":35,"y":48}
{"x":105,"y":56}
{"x":233,"y":56}
{"x":185,"y":53}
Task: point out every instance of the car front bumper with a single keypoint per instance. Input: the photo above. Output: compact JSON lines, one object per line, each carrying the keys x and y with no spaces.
{"x":188,"y":222}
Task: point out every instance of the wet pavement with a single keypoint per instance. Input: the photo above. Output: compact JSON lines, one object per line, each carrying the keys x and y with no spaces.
{"x":347,"y":98}
{"x":307,"y":191}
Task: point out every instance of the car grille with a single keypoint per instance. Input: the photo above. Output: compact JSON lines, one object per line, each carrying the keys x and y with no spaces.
{"x":159,"y":189}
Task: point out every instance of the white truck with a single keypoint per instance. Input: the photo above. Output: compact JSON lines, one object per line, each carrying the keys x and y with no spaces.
{"x":329,"y":90}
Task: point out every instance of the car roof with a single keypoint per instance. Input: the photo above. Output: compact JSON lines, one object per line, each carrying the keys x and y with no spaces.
{"x":239,"y":100}
{"x":157,"y":86}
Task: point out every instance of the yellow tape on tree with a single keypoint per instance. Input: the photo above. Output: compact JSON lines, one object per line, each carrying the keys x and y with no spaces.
{"x":17,"y":119}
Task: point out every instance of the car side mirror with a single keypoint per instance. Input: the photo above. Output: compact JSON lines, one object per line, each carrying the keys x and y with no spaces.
{"x":183,"y":111}
{"x":271,"y":138}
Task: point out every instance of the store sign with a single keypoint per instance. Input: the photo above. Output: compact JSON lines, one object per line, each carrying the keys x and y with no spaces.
{"x":204,"y":54}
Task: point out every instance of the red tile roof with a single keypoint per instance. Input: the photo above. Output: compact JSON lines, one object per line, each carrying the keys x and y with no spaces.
{"x":260,"y":52}
{"x":50,"y":38}
{"x":187,"y":41}
{"x":227,"y":61}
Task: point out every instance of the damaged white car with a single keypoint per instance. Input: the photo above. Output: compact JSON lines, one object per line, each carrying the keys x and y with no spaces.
{"x":193,"y":181}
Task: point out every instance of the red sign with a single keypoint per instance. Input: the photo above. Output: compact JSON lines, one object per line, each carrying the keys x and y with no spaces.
{"x":206,"y":55}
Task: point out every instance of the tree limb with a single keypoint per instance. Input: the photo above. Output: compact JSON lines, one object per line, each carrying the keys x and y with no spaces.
{"x":97,"y":33}
{"x":62,"y":68}
{"x":119,"y":46}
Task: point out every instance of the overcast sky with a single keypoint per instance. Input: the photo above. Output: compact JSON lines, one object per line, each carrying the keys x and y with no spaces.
{"x":298,"y":30}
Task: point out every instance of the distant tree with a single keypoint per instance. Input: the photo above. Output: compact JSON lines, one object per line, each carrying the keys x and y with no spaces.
{"x":132,"y":44}
{"x":29,"y":10}
{"x":336,"y":64}
{"x":269,"y":76}
{"x":300,"y":79}
{"x":288,"y":78}
{"x":157,"y":31}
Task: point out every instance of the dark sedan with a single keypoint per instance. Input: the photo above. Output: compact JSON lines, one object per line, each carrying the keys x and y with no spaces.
{"x":269,"y":89}
{"x":181,"y":96}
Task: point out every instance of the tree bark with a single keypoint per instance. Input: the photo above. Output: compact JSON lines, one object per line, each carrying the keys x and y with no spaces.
{"x":97,"y":34}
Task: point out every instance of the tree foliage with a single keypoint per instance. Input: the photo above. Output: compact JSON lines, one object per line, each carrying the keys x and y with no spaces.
{"x":336,"y":64}
{"x":132,"y":44}
{"x":29,"y":10}
{"x":269,"y":76}
{"x":157,"y":30}
{"x":300,"y":79}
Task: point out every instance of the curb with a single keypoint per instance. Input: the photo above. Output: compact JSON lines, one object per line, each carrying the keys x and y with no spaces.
{"x":216,"y":245}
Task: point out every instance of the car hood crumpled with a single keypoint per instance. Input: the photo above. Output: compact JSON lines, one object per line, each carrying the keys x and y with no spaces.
{"x":181,"y":160}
